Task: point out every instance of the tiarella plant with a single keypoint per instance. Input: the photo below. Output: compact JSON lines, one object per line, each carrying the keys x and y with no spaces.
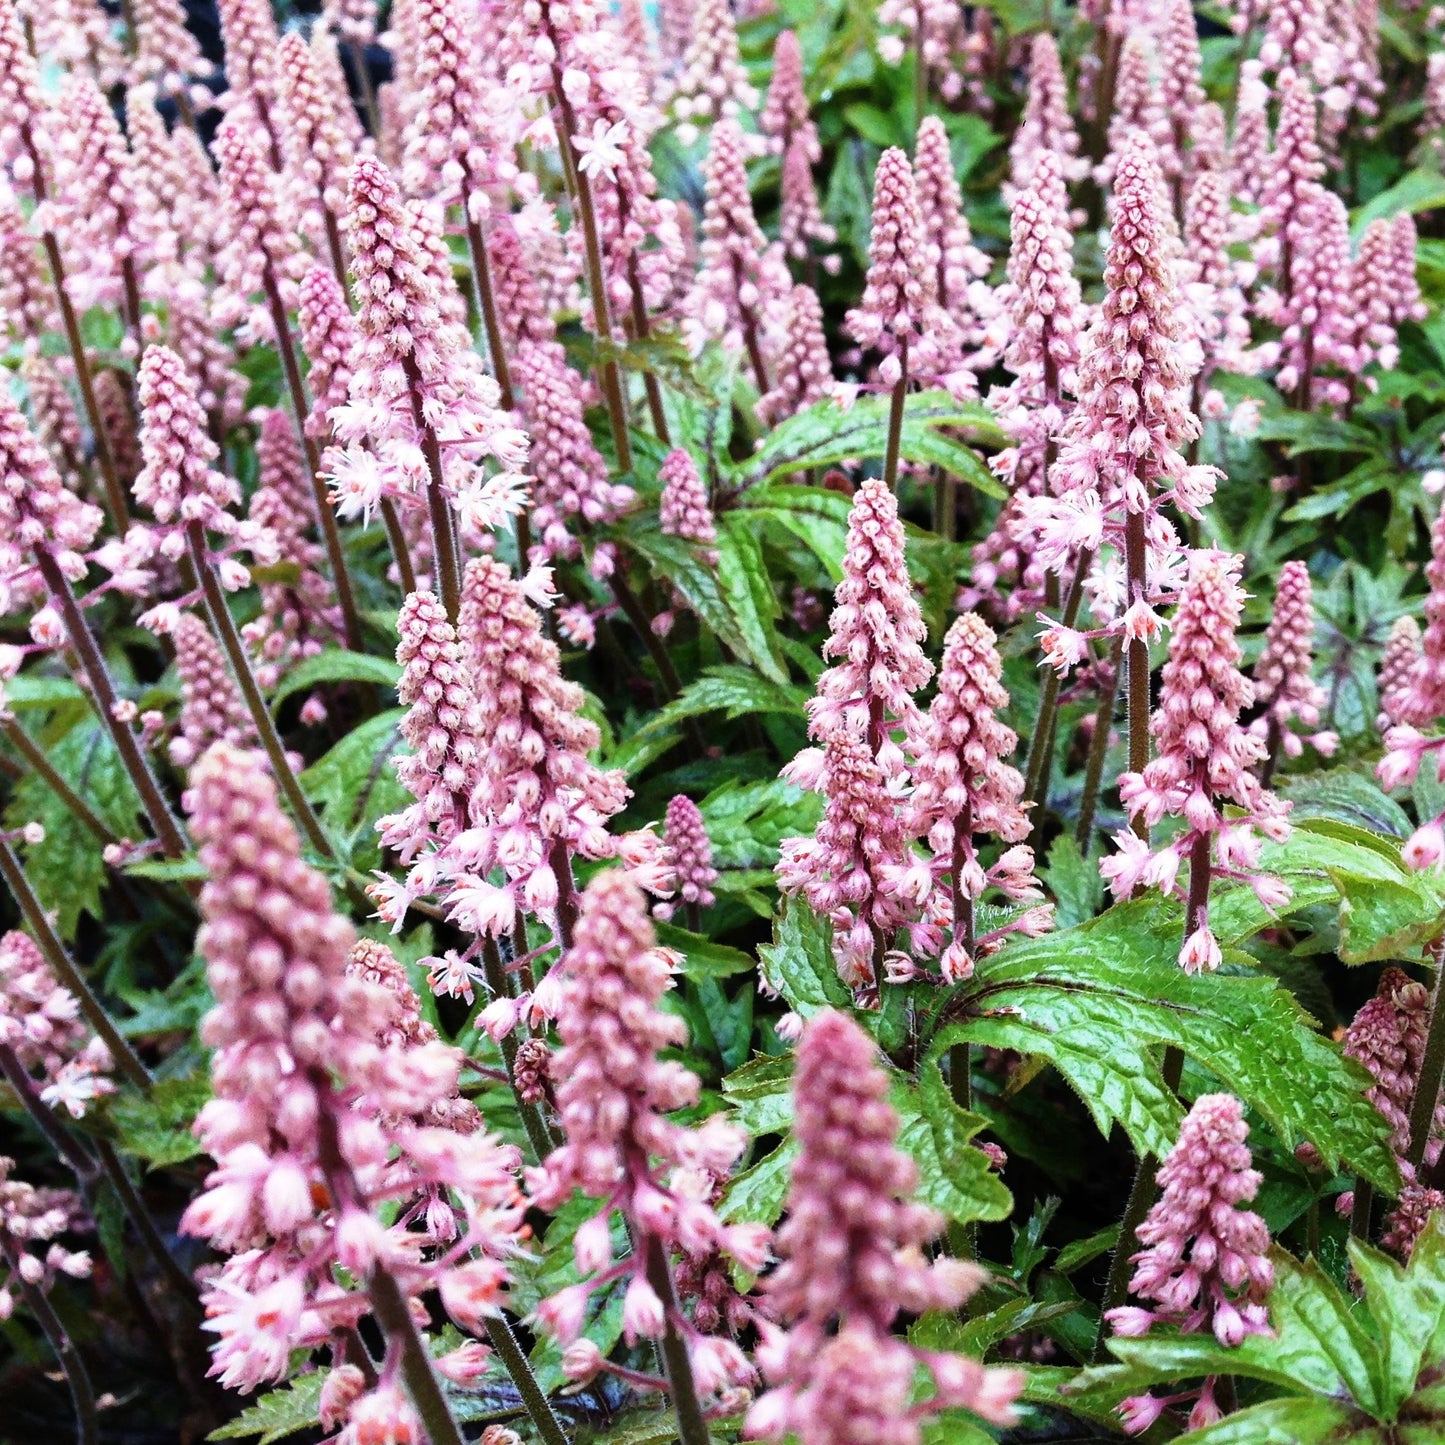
{"x":722,"y":721}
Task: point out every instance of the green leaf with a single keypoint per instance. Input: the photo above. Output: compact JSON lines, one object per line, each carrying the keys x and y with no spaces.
{"x":759,"y":1095}
{"x":278,"y":1413}
{"x":799,"y":962}
{"x":816,"y":516}
{"x":66,"y":868}
{"x":756,"y":1195}
{"x":1099,"y":1000}
{"x":953,"y":1176}
{"x":156,"y":1126}
{"x":748,"y":591}
{"x":1074,"y":881}
{"x":355,"y":784}
{"x":1286,"y":1422}
{"x":701,"y":957}
{"x":824,"y":436}
{"x":336,"y":666}
{"x":1344,"y":797}
{"x":1416,"y":191}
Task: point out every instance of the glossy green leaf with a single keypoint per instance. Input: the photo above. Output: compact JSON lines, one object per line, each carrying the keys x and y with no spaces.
{"x":336,"y":667}
{"x":278,"y":1413}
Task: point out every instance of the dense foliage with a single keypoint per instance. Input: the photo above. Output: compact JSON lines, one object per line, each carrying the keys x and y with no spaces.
{"x":722,"y":721}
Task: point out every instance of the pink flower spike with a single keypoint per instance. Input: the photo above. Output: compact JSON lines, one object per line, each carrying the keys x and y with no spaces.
{"x":1397,"y":666}
{"x":875,"y":634}
{"x":211,"y":706}
{"x":1205,"y":1260}
{"x":804,"y":374}
{"x":1283,"y":684}
{"x":687,"y":842}
{"x":852,"y":1245}
{"x":1204,"y":756}
{"x":1046,"y":124}
{"x":684,"y":508}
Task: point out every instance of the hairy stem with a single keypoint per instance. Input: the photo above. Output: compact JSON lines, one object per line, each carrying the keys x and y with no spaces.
{"x":1137,"y":699}
{"x":66,"y":973}
{"x":516,"y":1364}
{"x":400,"y":552}
{"x":224,"y":626}
{"x":1098,"y":749}
{"x":691,"y":1427}
{"x":446,"y":567}
{"x":103,"y":694}
{"x":115,"y":501}
{"x":392,"y":1314}
{"x":1041,"y":750}
{"x":82,"y":1393}
{"x":487,"y":304}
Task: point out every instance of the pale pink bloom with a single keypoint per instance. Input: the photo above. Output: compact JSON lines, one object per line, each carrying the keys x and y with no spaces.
{"x":1300,"y":38}
{"x":801,"y":227}
{"x":1139,"y":112}
{"x":31,"y":1220}
{"x":21,"y":105}
{"x":856,"y":869}
{"x":939,"y":30}
{"x":414,"y":372}
{"x":1397,"y":665}
{"x":262,"y":251}
{"x":684,"y":509}
{"x":1046,"y":124}
{"x":457,"y":142}
{"x":41,"y":1021}
{"x":1205,"y":1259}
{"x":1317,"y":314}
{"x":853,"y":1248}
{"x":251,"y":38}
{"x":804,"y":371}
{"x":211,"y":705}
{"x":1294,"y":167}
{"x":328,"y":335}
{"x":325,"y":1088}
{"x":540,"y":798}
{"x":690,"y":852}
{"x":712,"y":85}
{"x":1423,"y":701}
{"x":319,"y":148}
{"x":1181,"y":91}
{"x":614,"y":1094}
{"x":963,"y":787}
{"x":1204,"y":756}
{"x":27,"y":299}
{"x":784,"y":118}
{"x":875,"y":634}
{"x":521,"y":309}
{"x":1283,"y":684}
{"x":741,"y":276}
{"x":571,"y":487}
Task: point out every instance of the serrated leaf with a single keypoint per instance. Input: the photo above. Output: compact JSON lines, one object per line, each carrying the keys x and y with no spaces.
{"x":1318,"y":1347}
{"x":355,"y":784}
{"x":156,"y":1126}
{"x":678,"y":562}
{"x":336,"y":665}
{"x":816,"y":516}
{"x":756,"y":1195}
{"x":66,"y":868}
{"x":759,"y":1095}
{"x":824,"y":436}
{"x":278,"y":1413}
{"x":1099,"y":1000}
{"x":1074,"y":881}
{"x":748,"y":592}
{"x":1287,"y":1422}
{"x":799,"y":962}
{"x":953,"y":1176}
{"x":1344,"y":797}
{"x":1408,"y":1308}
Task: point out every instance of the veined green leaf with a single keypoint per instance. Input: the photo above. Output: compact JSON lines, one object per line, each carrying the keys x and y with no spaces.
{"x":278,"y":1413}
{"x":336,"y":666}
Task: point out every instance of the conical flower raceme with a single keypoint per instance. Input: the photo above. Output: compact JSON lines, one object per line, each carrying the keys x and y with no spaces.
{"x":1120,"y":453}
{"x":965,"y":790}
{"x":875,"y":635}
{"x":852,"y":1246}
{"x":309,"y":1104}
{"x":1204,"y":761}
{"x":211,"y":705}
{"x":614,"y":1095}
{"x":1283,"y":684}
{"x":1205,"y":1262}
{"x":684,"y":510}
{"x":416,"y":382}
{"x":685,"y":837}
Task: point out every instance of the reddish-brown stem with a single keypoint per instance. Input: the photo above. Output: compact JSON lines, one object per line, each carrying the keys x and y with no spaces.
{"x":487,"y":302}
{"x":895,"y":420}
{"x":1098,"y":749}
{"x":83,"y":813}
{"x":301,"y":410}
{"x":446,"y":566}
{"x":224,"y":626}
{"x":1138,"y":656}
{"x":400,"y":552}
{"x":103,"y":694}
